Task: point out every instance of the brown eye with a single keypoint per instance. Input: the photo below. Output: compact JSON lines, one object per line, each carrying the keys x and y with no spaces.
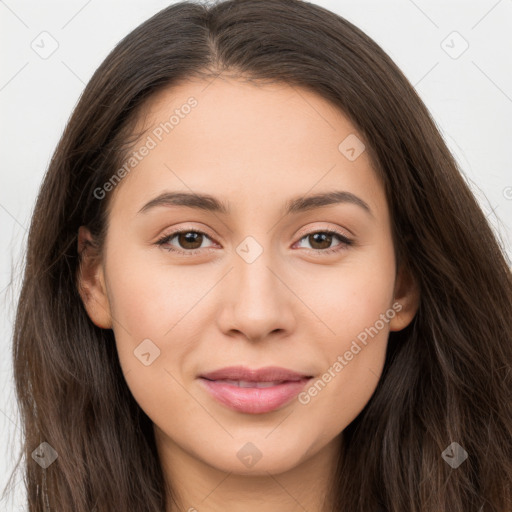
{"x":320,"y":240}
{"x":190,"y":239}
{"x":187,"y":241}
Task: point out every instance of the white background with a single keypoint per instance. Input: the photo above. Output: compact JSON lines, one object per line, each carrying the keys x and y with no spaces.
{"x":470,"y":98}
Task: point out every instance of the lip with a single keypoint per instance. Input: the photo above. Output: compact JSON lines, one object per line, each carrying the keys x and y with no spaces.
{"x":254,"y":400}
{"x":266,"y":374}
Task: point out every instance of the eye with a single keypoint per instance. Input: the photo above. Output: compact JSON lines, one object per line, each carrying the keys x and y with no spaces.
{"x":324,"y":239}
{"x":190,"y":241}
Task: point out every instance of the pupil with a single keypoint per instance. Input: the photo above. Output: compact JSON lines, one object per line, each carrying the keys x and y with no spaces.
{"x":195,"y":238}
{"x":324,"y":237}
{"x":191,"y":237}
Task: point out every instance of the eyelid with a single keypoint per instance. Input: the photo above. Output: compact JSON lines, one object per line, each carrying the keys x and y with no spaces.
{"x":334,"y":228}
{"x":185,"y":229}
{"x":162,"y":240}
{"x":345,"y":240}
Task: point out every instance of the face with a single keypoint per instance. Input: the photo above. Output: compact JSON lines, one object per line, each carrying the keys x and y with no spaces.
{"x":273,"y":279}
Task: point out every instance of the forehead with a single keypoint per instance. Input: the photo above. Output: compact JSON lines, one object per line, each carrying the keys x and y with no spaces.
{"x":248,"y":143}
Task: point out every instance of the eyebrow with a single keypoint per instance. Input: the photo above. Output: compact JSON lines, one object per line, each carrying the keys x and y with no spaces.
{"x":295,"y":205}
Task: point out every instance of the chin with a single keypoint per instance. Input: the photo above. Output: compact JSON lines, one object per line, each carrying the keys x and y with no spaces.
{"x":255,"y":458}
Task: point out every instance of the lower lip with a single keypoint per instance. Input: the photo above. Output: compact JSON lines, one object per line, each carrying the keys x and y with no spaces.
{"x":254,"y":400}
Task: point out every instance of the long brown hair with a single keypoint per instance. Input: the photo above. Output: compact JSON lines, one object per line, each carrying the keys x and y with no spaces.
{"x":447,"y":375}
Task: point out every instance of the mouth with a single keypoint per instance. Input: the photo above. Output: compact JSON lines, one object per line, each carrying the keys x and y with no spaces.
{"x":254,"y":391}
{"x":252,"y":384}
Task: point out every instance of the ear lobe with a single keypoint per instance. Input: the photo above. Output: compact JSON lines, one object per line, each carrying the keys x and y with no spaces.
{"x":91,"y":280}
{"x":407,"y":299}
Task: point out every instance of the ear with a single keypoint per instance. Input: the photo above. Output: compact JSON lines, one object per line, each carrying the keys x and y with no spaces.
{"x":406,"y":298}
{"x":91,"y":281}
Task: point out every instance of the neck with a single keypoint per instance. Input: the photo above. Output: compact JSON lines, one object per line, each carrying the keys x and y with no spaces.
{"x":199,"y":487}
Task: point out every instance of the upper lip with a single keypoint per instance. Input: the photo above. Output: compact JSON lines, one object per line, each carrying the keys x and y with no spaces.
{"x":267,"y":374}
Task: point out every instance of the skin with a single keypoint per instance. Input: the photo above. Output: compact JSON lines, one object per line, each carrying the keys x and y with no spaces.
{"x":254,"y":147}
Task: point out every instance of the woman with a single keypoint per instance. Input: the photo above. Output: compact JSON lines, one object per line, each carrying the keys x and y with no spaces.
{"x":369,"y":372}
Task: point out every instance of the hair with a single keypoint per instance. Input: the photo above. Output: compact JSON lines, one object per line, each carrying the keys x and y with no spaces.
{"x":446,"y":376}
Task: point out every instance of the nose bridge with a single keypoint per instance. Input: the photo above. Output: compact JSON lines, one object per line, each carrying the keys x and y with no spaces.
{"x":256,"y":283}
{"x":257,"y":298}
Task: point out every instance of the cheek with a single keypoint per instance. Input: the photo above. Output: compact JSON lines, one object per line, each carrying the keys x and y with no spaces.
{"x":355,"y":307}
{"x":157,"y":301}
{"x":350,"y":298}
{"x":150,"y":296}
{"x":153,"y":333}
{"x":154,"y":321}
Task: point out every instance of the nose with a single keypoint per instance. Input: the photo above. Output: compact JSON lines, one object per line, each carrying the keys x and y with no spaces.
{"x":256,"y":301}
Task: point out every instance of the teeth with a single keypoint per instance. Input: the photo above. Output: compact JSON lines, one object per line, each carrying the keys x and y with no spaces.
{"x":247,"y":384}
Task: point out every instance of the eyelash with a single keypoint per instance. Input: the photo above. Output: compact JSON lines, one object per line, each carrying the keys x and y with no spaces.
{"x":345,"y":242}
